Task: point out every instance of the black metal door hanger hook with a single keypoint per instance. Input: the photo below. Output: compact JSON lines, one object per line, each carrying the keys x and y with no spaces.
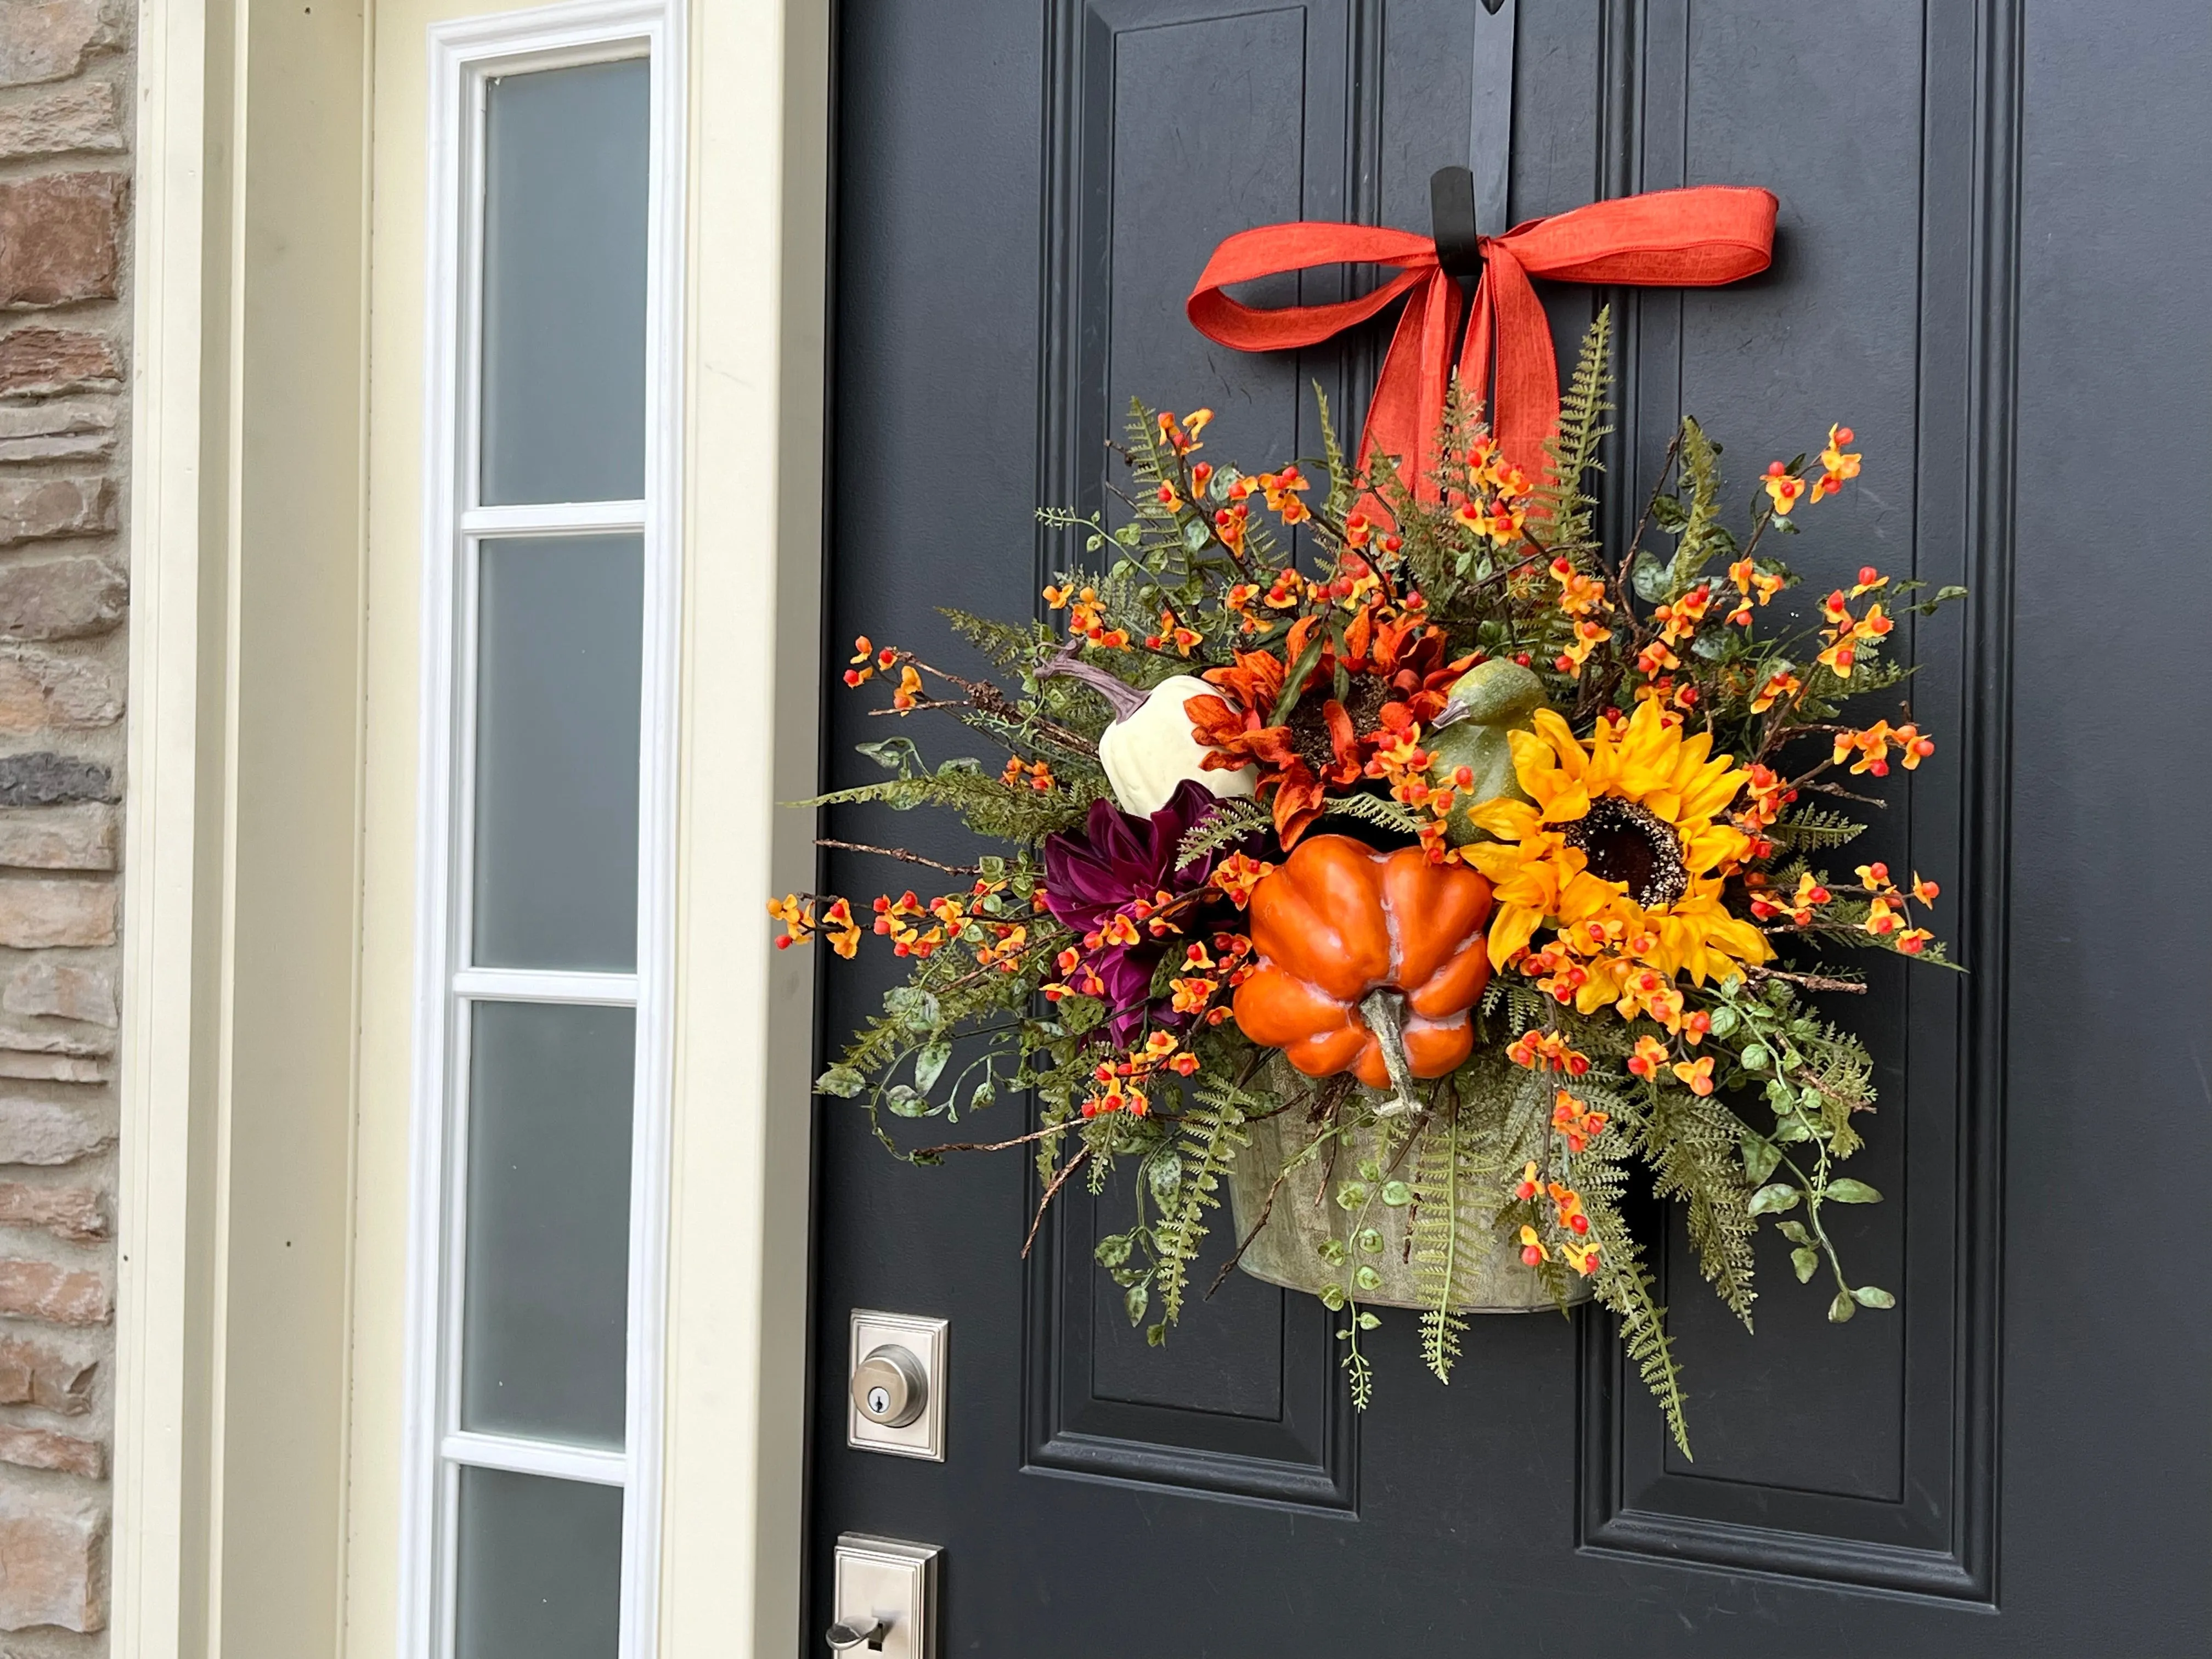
{"x":1451,"y":214}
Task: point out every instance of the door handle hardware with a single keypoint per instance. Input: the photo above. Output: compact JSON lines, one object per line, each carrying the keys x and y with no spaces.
{"x":886,"y":1598}
{"x":859,"y":1630}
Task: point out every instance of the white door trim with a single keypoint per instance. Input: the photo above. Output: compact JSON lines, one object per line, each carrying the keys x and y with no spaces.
{"x":208,"y":490}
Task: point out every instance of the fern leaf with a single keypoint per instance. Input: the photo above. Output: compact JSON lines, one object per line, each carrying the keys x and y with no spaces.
{"x":1573,"y":451}
{"x":1227,"y":822}
{"x":1624,"y":1284}
{"x":1379,"y":811}
{"x":1436,"y":1245}
{"x":1212,"y":1134}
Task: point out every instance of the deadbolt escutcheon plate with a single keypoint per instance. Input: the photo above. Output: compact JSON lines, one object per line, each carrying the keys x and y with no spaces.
{"x":896,"y":1376}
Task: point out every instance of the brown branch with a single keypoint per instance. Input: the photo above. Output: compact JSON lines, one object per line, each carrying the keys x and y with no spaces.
{"x":1809,"y":982}
{"x":1266,"y":1209}
{"x":1051,"y":1192}
{"x":900,"y":853}
{"x":989,"y":699}
{"x":994,"y":1145}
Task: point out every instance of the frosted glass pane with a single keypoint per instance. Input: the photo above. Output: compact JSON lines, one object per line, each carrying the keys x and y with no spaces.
{"x":545,"y":1303}
{"x":540,"y":1568}
{"x":564,"y":285}
{"x":559,"y":633}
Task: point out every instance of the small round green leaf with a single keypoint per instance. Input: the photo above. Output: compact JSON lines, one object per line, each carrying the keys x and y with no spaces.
{"x":1368,"y":1240}
{"x":1847,"y":1191}
{"x":1869,"y":1296}
{"x":1397,"y":1195}
{"x":1367,"y":1278}
{"x":842,"y":1081}
{"x":1806,"y":1262}
{"x":1842,"y":1308}
{"x":1774,"y":1198}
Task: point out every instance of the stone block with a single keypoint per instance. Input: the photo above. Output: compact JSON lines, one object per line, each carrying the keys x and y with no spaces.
{"x":35,"y":1373}
{"x":74,"y":121}
{"x":50,"y":39}
{"x":39,"y":509}
{"x":52,"y":1551}
{"x":43,"y":985}
{"x":40,"y":690}
{"x":48,"y":1132}
{"x":60,"y":429}
{"x":47,"y":1291}
{"x":83,"y":836}
{"x":72,"y":1213}
{"x":37,"y":362}
{"x":55,"y":1040}
{"x":44,"y":1449}
{"x":37,"y":915}
{"x":59,"y":598}
{"x":60,"y":237}
{"x":47,"y":1068}
{"x":44,"y":778}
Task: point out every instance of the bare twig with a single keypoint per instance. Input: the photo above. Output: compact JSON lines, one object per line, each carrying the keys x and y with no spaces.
{"x":1051,"y":1192}
{"x":1809,"y":982}
{"x":1266,"y":1208}
{"x":996,"y":1145}
{"x":900,"y":853}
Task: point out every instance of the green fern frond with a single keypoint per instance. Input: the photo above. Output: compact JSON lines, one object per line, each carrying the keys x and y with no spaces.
{"x":1228,"y":821}
{"x":1624,"y":1284}
{"x":1690,"y":1143}
{"x":1814,"y":830}
{"x":1436,"y":1227}
{"x":1212,"y":1134}
{"x":1379,"y":811}
{"x":991,"y":808}
{"x":1573,"y":450}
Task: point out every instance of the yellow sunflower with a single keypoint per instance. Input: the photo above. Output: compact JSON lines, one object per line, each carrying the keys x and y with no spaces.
{"x":1617,"y":850}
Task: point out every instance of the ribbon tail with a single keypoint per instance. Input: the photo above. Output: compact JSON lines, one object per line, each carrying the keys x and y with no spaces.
{"x":1401,"y":418}
{"x":1525,"y":400}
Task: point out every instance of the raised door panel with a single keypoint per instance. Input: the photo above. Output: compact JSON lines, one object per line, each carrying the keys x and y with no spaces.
{"x":1874,"y":315}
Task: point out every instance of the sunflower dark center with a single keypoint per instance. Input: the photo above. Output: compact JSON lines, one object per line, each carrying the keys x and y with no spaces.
{"x":1630,"y":844}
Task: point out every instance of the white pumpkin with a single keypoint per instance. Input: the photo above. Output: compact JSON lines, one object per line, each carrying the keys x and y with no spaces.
{"x":1149,"y":751}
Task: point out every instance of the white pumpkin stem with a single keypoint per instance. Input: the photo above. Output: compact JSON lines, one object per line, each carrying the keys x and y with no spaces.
{"x":1384,"y":1010}
{"x":1122,"y":697}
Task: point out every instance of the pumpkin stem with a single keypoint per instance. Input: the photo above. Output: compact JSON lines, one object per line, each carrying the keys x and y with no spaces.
{"x":1384,"y":1010}
{"x":1122,"y":697}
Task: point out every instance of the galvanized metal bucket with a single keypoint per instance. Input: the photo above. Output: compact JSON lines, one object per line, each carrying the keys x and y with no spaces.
{"x":1302,"y":1217}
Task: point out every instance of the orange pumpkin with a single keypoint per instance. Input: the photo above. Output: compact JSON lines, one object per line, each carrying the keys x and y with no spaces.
{"x":1340,"y":922}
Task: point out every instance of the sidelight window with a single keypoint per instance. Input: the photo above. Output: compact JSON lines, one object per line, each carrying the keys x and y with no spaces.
{"x":544,"y":915}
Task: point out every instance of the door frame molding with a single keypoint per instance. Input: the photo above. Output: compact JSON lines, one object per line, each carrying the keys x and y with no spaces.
{"x":221,"y":1321}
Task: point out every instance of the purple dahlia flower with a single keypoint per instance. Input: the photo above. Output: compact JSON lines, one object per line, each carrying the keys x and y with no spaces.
{"x":1114,"y":862}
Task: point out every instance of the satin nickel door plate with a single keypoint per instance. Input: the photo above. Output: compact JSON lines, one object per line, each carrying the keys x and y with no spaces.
{"x":895,"y":1400}
{"x":886,"y":1598}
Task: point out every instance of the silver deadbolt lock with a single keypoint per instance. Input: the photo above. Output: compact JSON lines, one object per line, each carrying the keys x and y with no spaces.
{"x":889,"y":1386}
{"x":895,"y":1400}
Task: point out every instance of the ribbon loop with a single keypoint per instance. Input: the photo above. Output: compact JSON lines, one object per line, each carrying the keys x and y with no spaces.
{"x":1697,"y":238}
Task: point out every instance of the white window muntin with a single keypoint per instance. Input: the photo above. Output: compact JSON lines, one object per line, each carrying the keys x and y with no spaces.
{"x":465,"y":56}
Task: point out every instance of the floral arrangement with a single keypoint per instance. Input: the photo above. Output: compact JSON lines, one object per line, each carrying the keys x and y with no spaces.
{"x":1398,"y":829}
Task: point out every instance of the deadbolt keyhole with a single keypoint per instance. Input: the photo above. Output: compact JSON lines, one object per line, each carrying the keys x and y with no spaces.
{"x":890,"y":1386}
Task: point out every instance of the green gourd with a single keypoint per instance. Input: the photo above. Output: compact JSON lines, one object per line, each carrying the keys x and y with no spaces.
{"x":1488,"y":701}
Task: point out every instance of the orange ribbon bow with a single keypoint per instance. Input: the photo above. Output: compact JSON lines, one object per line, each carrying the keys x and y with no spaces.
{"x":1697,"y":238}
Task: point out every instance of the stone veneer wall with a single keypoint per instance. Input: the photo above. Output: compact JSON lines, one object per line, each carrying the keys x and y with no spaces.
{"x":65,"y":105}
